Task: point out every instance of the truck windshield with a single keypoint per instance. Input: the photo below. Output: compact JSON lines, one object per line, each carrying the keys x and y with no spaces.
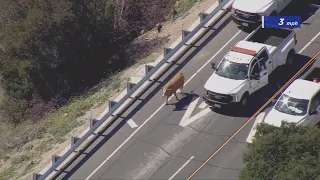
{"x":232,"y":70}
{"x":292,"y":106}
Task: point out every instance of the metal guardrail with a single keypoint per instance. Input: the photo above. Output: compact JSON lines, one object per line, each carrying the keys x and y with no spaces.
{"x":79,"y":142}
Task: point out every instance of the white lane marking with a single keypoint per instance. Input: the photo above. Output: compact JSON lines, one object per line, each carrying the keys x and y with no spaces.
{"x":190,"y":109}
{"x":195,"y":117}
{"x":184,"y":165}
{"x":155,"y":112}
{"x":132,"y":124}
{"x":308,"y":44}
{"x":202,"y":105}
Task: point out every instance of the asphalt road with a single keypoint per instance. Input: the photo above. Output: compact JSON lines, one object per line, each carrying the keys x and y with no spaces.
{"x":160,"y":148}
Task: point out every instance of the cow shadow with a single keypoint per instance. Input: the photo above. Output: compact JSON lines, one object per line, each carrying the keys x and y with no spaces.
{"x":184,"y":101}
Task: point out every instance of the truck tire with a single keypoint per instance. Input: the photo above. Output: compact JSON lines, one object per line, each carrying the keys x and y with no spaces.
{"x":290,"y":58}
{"x":244,"y":100}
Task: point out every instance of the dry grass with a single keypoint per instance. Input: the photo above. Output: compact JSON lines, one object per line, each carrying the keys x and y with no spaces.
{"x":42,"y":136}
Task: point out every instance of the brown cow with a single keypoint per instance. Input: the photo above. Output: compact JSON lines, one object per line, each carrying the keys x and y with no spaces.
{"x":176,"y":83}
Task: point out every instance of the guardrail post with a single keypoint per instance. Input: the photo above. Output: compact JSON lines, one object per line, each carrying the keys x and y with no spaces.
{"x":203,"y":16}
{"x":185,"y":33}
{"x":36,"y":176}
{"x":74,"y":140}
{"x":148,"y":68}
{"x":93,"y":122}
{"x":130,"y":86}
{"x":167,"y":51}
{"x":55,"y":158}
{"x":111,"y":104}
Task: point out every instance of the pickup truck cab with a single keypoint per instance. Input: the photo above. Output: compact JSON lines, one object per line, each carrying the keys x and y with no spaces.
{"x":299,"y":103}
{"x":246,"y":67}
{"x":247,"y":13}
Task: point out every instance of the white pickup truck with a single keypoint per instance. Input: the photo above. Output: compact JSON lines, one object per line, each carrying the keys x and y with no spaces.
{"x":299,"y":103}
{"x":246,"y":67}
{"x":247,"y":13}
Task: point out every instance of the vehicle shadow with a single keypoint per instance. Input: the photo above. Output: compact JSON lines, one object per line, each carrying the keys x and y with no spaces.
{"x":277,"y":79}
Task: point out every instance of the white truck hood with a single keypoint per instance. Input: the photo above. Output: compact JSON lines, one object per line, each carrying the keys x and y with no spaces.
{"x":252,"y":6}
{"x":223,"y":85}
{"x":275,"y":117}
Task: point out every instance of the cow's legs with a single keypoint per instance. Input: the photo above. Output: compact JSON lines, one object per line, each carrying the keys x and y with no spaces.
{"x":181,"y":89}
{"x":167,"y":100}
{"x":175,"y":94}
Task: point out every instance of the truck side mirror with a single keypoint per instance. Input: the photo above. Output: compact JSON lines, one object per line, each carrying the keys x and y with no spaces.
{"x":213,"y":65}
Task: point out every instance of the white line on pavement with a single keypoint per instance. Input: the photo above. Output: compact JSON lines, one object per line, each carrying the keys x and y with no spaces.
{"x":202,"y":105}
{"x":132,"y":124}
{"x":195,"y":117}
{"x":308,"y":44}
{"x":184,"y":165}
{"x":155,"y":112}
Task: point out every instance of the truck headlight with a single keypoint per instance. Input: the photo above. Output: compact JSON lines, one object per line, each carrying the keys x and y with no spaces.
{"x":234,"y":97}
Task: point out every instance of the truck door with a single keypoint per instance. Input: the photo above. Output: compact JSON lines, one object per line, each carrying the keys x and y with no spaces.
{"x":254,"y":72}
{"x":314,"y":118}
{"x":264,"y":74}
{"x":265,"y":62}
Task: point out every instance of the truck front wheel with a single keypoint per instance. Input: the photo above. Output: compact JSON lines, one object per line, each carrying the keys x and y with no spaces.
{"x":244,"y":100}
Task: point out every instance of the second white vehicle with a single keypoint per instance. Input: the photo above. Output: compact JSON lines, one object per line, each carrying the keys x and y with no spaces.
{"x":299,"y":104}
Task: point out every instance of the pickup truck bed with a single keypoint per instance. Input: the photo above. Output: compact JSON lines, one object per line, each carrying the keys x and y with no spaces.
{"x":272,"y":37}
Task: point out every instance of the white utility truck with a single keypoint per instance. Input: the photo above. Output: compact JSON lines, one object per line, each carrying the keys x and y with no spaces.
{"x":246,"y":67}
{"x":299,"y":103}
{"x":247,"y":13}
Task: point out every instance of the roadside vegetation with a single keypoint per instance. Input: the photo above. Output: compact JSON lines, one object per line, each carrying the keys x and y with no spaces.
{"x":60,"y":58}
{"x":288,"y":152}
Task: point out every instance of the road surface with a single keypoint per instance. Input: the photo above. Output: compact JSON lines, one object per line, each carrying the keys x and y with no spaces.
{"x":158,"y":144}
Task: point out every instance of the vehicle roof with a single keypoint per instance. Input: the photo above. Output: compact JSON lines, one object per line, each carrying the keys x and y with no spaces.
{"x":302,"y":89}
{"x":254,"y":7}
{"x":255,"y":46}
{"x":238,"y":57}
